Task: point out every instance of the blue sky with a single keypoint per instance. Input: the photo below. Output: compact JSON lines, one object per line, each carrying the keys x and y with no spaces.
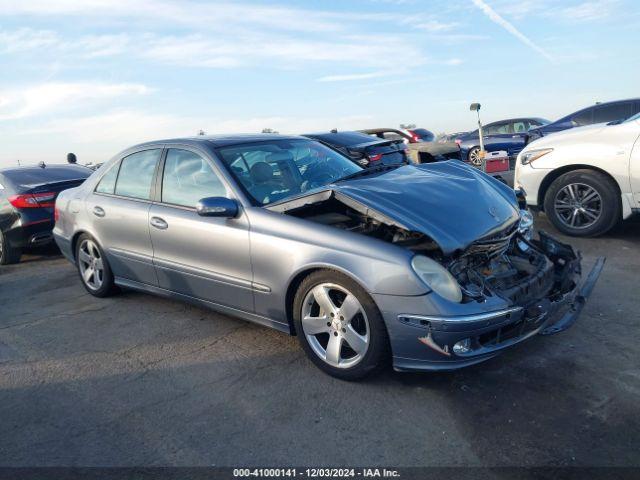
{"x":96,"y":76}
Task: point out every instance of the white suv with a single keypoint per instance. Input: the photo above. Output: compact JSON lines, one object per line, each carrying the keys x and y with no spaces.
{"x":585,"y":179}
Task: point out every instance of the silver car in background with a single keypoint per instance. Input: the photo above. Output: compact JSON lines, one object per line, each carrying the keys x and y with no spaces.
{"x":429,"y":266}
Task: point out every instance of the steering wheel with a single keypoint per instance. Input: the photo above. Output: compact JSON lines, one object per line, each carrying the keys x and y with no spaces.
{"x":321,"y":178}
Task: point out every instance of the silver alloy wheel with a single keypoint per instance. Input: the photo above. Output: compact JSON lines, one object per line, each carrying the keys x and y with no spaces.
{"x":578,"y":205}
{"x":91,"y":266}
{"x":474,"y":157}
{"x":335,"y":325}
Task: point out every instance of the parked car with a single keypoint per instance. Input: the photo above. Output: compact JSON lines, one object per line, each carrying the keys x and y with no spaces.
{"x":425,"y":264}
{"x":506,"y":135}
{"x":27,"y":196}
{"x":363,"y":149}
{"x":449,"y":137}
{"x":598,"y":113}
{"x":421,"y":134}
{"x":417,"y":151}
{"x":585,"y":179}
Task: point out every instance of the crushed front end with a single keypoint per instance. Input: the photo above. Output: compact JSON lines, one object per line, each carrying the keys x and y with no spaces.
{"x":513,"y":288}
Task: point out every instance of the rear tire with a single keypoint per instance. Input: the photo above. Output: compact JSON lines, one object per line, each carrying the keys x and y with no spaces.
{"x":583,"y":203}
{"x":347,"y":338}
{"x":8,"y":254}
{"x":93,"y":267}
{"x":473,"y":156}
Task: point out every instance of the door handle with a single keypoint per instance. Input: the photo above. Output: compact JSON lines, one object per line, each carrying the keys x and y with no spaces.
{"x":98,"y":211}
{"x":516,"y":136}
{"x":159,"y":223}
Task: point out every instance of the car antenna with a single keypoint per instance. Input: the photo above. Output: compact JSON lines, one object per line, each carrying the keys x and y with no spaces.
{"x":334,"y":130}
{"x":42,"y":165}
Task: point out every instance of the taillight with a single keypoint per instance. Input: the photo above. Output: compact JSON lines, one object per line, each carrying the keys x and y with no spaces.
{"x":56,"y":214}
{"x":375,"y":158}
{"x":414,"y":138}
{"x":33,"y":200}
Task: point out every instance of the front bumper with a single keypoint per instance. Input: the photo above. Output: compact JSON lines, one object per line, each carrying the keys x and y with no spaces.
{"x":428,"y":342}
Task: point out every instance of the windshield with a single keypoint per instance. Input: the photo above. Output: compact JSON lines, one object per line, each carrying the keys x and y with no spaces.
{"x":273,"y":170}
{"x":634,"y":117}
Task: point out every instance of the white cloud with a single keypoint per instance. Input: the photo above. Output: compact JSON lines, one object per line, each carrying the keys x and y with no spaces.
{"x":494,"y":17}
{"x":53,"y":97}
{"x":352,"y":76}
{"x":25,"y":39}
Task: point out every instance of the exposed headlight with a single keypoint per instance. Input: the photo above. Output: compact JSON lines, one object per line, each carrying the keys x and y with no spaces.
{"x":526,"y":224}
{"x":532,"y":155}
{"x":437,"y":278}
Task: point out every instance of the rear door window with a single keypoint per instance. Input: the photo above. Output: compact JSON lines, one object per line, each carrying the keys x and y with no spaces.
{"x":107,"y":183}
{"x":136,"y":174}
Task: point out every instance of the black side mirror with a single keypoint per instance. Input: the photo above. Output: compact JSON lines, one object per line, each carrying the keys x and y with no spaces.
{"x":217,"y":207}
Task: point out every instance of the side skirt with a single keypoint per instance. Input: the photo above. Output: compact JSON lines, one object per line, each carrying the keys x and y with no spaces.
{"x":232,"y":312}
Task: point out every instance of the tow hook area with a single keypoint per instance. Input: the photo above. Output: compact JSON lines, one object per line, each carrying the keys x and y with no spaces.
{"x":572,"y":314}
{"x":429,"y":342}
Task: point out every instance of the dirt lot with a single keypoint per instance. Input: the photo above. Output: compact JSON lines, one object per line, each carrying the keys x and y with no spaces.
{"x":138,"y":380}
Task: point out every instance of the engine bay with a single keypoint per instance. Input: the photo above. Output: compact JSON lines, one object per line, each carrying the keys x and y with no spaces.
{"x":506,"y":264}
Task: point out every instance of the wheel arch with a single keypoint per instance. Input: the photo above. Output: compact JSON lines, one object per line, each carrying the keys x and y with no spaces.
{"x":299,"y":277}
{"x":469,"y":150}
{"x":74,"y":241}
{"x":558,"y":172}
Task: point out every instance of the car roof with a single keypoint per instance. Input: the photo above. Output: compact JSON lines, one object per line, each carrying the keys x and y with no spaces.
{"x":382,"y":130}
{"x":517,"y":119}
{"x":222,"y":140}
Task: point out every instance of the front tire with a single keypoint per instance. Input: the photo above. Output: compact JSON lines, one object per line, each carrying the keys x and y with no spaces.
{"x":93,"y":267}
{"x":8,"y":254}
{"x":339,"y":326}
{"x":583,"y":203}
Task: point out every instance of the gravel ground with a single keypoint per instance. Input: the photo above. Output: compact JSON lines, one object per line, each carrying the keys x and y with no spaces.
{"x":135,"y":380}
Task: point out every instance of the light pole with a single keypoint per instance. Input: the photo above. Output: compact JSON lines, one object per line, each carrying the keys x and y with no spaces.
{"x":475,"y":107}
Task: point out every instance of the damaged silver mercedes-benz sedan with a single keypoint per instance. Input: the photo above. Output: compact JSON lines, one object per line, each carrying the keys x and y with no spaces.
{"x":432,"y":266}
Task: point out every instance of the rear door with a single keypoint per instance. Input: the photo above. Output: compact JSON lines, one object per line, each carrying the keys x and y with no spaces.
{"x":203,"y":257}
{"x":119,"y":207}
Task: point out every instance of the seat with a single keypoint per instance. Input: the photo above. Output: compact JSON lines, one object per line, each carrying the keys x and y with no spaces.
{"x":263,"y":180}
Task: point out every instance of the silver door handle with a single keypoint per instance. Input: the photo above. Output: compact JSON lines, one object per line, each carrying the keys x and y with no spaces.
{"x":98,"y":211}
{"x":515,"y":136}
{"x":159,"y":223}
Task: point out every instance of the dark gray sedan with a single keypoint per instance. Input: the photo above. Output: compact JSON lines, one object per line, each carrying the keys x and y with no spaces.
{"x":430,"y":266}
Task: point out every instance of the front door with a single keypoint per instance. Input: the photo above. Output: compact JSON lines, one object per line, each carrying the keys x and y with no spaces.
{"x":634,"y":170}
{"x":119,"y":207}
{"x":202,"y":257}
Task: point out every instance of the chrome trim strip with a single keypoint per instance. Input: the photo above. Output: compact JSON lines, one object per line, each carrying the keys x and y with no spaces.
{"x":462,"y":318}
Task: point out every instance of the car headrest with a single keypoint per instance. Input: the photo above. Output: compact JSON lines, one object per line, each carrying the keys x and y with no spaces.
{"x":280,"y":156}
{"x":261,"y":172}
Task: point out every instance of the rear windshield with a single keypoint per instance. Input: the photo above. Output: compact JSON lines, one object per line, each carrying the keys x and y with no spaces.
{"x":30,"y":177}
{"x":424,"y":134}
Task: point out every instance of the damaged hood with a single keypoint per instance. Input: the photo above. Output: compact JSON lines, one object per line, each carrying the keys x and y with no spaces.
{"x":450,"y":202}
